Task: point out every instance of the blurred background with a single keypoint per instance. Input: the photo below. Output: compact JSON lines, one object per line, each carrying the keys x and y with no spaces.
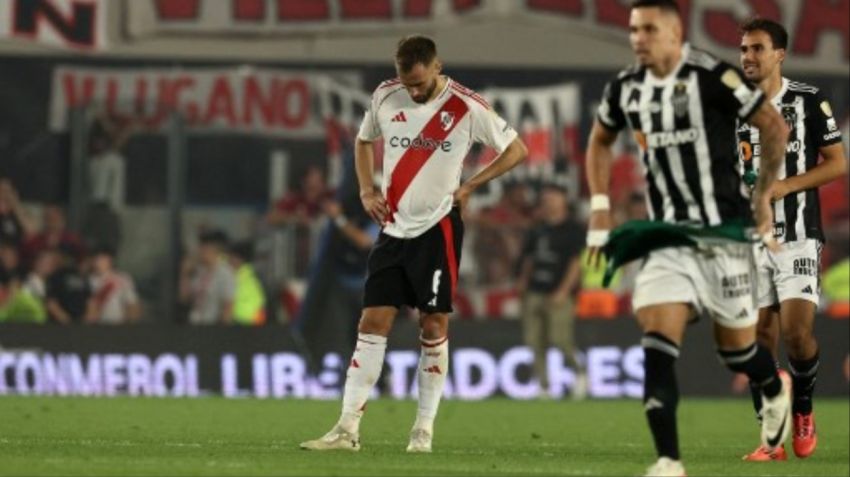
{"x":177,"y":167}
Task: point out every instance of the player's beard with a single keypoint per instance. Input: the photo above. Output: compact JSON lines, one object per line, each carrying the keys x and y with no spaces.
{"x":422,"y":99}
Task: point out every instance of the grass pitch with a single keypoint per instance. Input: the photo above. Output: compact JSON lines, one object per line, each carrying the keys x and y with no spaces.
{"x":213,"y":436}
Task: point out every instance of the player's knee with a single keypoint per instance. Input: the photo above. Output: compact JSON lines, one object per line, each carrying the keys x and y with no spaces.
{"x":375,"y":324}
{"x":797,"y":340}
{"x":434,"y":327}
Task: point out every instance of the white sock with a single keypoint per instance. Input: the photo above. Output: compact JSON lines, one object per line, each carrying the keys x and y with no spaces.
{"x":363,"y":372}
{"x":433,"y":366}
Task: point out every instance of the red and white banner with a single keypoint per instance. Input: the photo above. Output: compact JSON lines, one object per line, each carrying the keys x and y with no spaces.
{"x":73,"y":24}
{"x":257,"y":101}
{"x":819,"y":29}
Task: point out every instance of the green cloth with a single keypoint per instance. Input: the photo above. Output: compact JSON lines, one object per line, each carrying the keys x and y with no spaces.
{"x":22,"y":307}
{"x":637,"y":238}
{"x":836,"y":281}
{"x":249,"y":301}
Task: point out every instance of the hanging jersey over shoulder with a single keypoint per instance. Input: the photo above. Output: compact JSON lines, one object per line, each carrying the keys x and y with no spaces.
{"x":809,"y":117}
{"x":424,"y":148}
{"x":685,"y":126}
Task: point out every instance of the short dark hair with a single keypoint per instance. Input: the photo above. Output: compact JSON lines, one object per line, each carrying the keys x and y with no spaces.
{"x":669,"y":6}
{"x":414,"y":49}
{"x":214,"y":237}
{"x":778,"y":34}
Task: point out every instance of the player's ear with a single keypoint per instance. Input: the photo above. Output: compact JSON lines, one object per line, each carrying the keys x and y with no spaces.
{"x":438,"y":65}
{"x":781,"y":55}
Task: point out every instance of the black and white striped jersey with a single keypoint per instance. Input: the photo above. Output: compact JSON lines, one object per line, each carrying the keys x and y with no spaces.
{"x":685,"y":125}
{"x":809,"y":117}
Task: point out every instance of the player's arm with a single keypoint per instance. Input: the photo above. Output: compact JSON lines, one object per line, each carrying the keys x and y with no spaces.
{"x":373,"y":201}
{"x":515,"y":153}
{"x":774,"y":135}
{"x":833,"y":166}
{"x":600,"y":156}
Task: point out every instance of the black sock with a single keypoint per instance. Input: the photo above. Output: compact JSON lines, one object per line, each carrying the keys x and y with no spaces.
{"x":756,"y":362}
{"x":661,"y":393}
{"x":755,"y":394}
{"x":803,"y":376}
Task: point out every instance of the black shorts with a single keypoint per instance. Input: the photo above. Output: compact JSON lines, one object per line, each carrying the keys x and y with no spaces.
{"x":420,"y":272}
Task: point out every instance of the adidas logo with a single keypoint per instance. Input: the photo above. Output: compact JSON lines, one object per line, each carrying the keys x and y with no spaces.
{"x":399,"y":118}
{"x":433,"y":369}
{"x":653,"y":403}
{"x":808,"y":290}
{"x":742,"y":314}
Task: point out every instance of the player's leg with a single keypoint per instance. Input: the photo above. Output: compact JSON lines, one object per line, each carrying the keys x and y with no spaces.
{"x":797,"y":318}
{"x":729,"y":292}
{"x":798,"y":291}
{"x":663,"y":327}
{"x":767,"y":335}
{"x":432,"y":371}
{"x":384,"y":294}
{"x":665,"y":299}
{"x":431,"y":262}
{"x":533,"y":333}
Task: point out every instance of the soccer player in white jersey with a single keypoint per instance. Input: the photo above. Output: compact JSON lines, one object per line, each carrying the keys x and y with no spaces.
{"x":428,"y":123}
{"x":789,"y":280}
{"x":682,"y":105}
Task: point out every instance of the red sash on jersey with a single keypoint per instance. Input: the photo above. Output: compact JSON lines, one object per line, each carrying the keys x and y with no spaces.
{"x":413,"y":159}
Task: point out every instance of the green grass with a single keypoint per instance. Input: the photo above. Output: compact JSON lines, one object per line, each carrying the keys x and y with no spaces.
{"x":122,"y":436}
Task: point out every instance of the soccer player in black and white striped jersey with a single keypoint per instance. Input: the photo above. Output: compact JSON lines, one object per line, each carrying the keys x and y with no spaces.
{"x":682,"y":105}
{"x":789,"y":280}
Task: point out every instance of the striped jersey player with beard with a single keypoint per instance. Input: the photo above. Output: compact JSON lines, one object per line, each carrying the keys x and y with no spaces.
{"x":428,"y":123}
{"x":789,"y":280}
{"x":682,"y":105}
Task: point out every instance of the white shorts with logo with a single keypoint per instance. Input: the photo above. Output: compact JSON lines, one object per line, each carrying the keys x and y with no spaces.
{"x":793,"y":272}
{"x":716,"y":278}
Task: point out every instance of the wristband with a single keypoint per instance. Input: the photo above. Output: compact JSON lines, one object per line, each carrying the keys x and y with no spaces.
{"x":597,"y":238}
{"x":599,"y":202}
{"x":341,"y":221}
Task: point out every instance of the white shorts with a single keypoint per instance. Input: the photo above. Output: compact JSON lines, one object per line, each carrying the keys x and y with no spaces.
{"x":717,"y":279}
{"x":793,"y":272}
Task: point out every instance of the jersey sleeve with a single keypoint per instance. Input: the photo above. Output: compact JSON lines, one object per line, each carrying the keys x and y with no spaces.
{"x":820,"y":121}
{"x":370,"y":128}
{"x":726,"y":88}
{"x":609,"y":113}
{"x":489,"y":128}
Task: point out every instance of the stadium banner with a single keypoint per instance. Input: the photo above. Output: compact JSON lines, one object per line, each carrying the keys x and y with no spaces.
{"x":819,"y":30}
{"x":268,"y":362}
{"x":288,"y":103}
{"x":69,"y":24}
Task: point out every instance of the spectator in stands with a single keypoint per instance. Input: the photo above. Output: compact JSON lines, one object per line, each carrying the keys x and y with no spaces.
{"x":304,"y":205}
{"x":500,"y":230}
{"x":301,"y":208}
{"x":69,"y":297}
{"x":249,"y":298}
{"x":16,"y":304}
{"x":10,"y":260}
{"x":106,"y":165}
{"x":46,"y":262}
{"x":113,"y":292}
{"x":207,"y":282}
{"x":15,"y":224}
{"x":549,"y":275}
{"x":54,"y":234}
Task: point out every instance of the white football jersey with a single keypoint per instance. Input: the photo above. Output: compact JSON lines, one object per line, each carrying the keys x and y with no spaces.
{"x":424,"y":148}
